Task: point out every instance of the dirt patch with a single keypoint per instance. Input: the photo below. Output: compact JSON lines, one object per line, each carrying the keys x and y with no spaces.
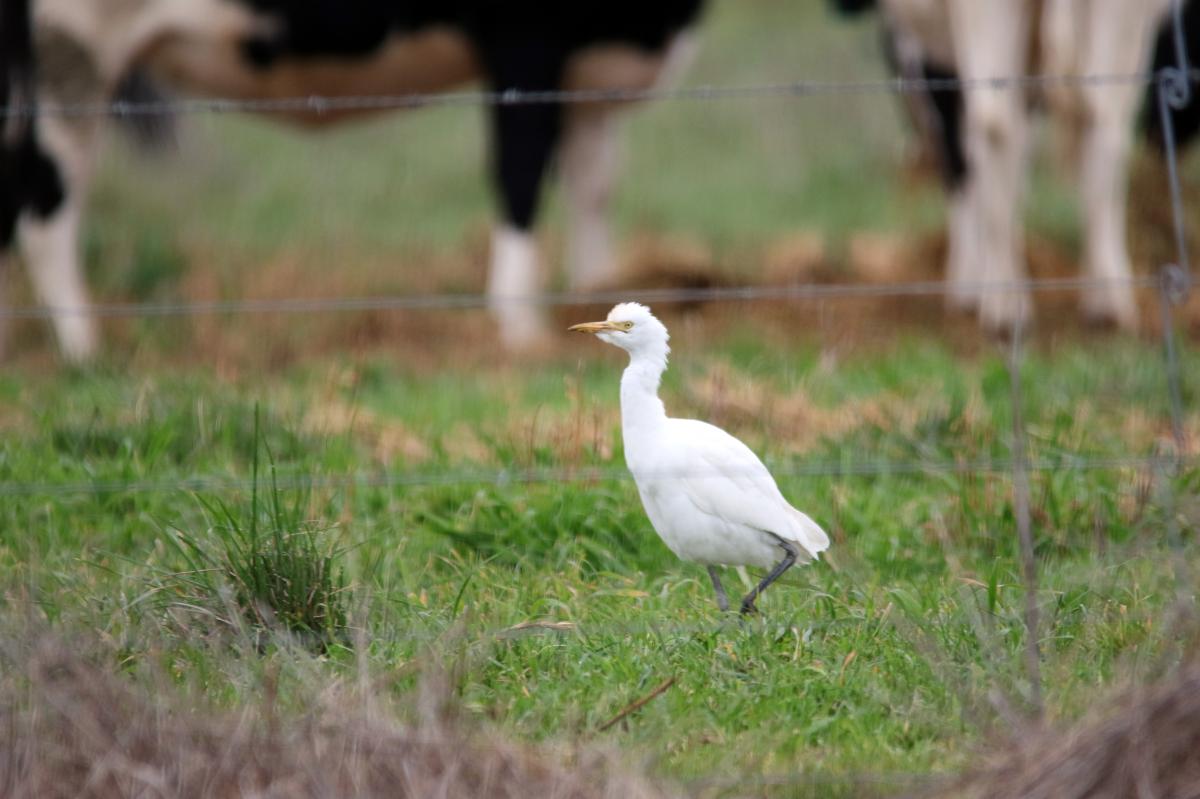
{"x":729,"y":398}
{"x":798,"y":257}
{"x":670,"y":261}
{"x":387,"y":439}
{"x":576,"y":435}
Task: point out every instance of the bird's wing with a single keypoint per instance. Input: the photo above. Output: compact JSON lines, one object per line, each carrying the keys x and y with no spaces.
{"x":723,"y":477}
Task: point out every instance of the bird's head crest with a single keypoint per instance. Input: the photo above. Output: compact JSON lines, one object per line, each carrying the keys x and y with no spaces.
{"x":629,"y":312}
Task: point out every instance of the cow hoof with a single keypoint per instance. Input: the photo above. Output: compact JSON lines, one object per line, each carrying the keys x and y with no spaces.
{"x":79,"y":357}
{"x":1003,"y":313}
{"x":77,"y":343}
{"x":962,"y":302}
{"x":1104,"y":314}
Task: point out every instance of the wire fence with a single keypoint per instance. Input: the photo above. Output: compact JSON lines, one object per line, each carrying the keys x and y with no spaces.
{"x":288,"y":480}
{"x":665,"y":296}
{"x":324,"y":104}
{"x":1172,"y":282}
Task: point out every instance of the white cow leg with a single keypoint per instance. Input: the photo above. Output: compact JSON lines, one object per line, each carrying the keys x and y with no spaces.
{"x":992,"y":39}
{"x":49,"y":244}
{"x":525,"y":138}
{"x":1106,"y":143}
{"x":1117,"y":38}
{"x":51,"y":250}
{"x":998,"y":146}
{"x":589,"y":161}
{"x":962,"y":252}
{"x":514,"y":288}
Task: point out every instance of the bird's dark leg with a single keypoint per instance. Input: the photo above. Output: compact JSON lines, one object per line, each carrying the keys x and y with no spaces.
{"x":722,"y":597}
{"x":789,"y":557}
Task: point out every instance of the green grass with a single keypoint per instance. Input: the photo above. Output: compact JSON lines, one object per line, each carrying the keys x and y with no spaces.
{"x":882,"y":659}
{"x":878,"y":660}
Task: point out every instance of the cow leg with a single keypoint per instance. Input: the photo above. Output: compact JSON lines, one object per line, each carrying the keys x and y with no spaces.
{"x":992,"y":40}
{"x":590,"y":155}
{"x":1117,"y":42}
{"x":963,"y":271}
{"x":589,"y":163}
{"x":945,"y":120}
{"x":1103,"y":185}
{"x":525,"y":137}
{"x":49,"y":239}
{"x":51,"y":250}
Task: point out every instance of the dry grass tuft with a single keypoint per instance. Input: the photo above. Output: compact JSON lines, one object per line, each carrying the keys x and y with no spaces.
{"x":798,"y":257}
{"x":70,"y":729}
{"x":881,"y":258}
{"x":1146,"y":744}
{"x":669,"y":262}
{"x":734,"y":399}
{"x":389,"y":440}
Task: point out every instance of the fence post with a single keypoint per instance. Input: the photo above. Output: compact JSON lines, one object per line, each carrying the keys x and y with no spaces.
{"x":1174,"y":284}
{"x":1021,"y":502}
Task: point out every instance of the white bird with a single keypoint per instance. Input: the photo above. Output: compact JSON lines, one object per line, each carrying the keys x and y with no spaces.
{"x":711,"y":500}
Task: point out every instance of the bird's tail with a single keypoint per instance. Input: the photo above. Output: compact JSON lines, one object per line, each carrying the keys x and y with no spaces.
{"x":809,"y":534}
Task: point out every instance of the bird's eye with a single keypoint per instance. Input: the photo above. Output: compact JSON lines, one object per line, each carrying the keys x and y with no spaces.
{"x":627,"y":325}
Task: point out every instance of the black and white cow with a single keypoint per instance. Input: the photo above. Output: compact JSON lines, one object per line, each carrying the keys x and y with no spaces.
{"x":983,"y":132}
{"x":295,"y":48}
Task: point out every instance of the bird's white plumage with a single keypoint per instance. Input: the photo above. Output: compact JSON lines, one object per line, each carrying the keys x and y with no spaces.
{"x":712,"y":500}
{"x":708,"y":496}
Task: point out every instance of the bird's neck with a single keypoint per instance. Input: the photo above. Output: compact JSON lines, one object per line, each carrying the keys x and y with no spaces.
{"x":641,"y":409}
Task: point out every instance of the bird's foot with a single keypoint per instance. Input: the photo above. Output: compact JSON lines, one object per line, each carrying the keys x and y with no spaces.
{"x":748,"y":608}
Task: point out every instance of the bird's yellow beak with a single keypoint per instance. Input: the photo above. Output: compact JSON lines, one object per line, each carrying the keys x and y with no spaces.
{"x":593,"y":327}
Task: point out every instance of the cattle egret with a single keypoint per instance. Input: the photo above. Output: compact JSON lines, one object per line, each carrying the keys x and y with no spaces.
{"x":711,"y":500}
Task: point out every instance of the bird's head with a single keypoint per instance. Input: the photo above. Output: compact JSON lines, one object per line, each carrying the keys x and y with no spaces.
{"x":631,"y":327}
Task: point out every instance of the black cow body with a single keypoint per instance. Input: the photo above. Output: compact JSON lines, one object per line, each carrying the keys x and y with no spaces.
{"x":296,"y":48}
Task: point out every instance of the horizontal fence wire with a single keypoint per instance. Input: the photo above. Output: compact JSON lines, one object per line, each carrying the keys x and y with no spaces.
{"x":470,"y":301}
{"x":324,"y":104}
{"x":287,"y":480}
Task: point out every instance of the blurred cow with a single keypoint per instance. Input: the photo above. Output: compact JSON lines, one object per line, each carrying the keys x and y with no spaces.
{"x":278,"y":48}
{"x":983,"y":131}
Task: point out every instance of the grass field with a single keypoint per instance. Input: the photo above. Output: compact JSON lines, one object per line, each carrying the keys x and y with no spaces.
{"x":345,"y":466}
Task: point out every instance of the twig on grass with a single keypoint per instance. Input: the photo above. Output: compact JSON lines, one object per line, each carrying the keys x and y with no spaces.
{"x":534,"y":627}
{"x":636,"y":705}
